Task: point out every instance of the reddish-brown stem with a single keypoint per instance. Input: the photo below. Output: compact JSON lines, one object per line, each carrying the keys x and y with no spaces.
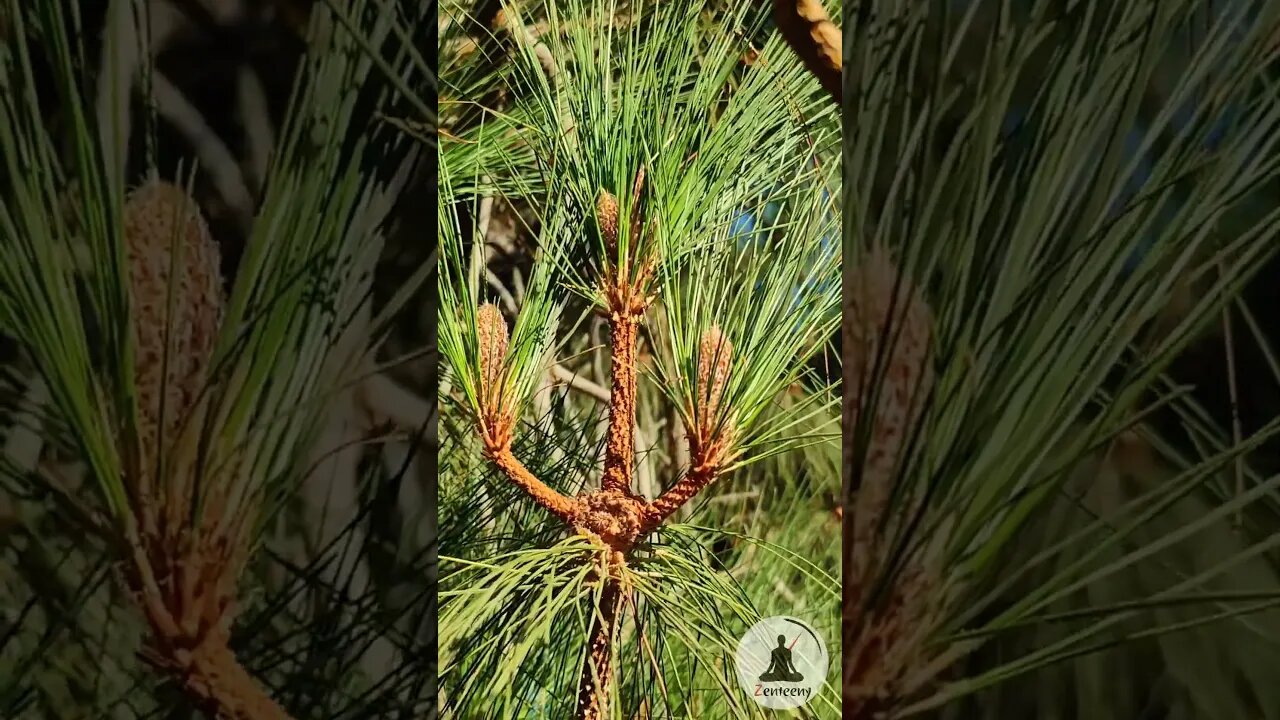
{"x":619,"y":452}
{"x":225,"y":690}
{"x":562,"y":507}
{"x":597,"y":666}
{"x":188,"y":641}
{"x":497,"y":417}
{"x":808,"y":29}
{"x":694,"y":482}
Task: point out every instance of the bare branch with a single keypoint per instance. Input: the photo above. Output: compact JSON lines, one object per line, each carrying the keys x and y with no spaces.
{"x":582,"y":384}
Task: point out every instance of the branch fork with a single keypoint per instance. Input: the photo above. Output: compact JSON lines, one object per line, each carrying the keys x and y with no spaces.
{"x":615,"y":514}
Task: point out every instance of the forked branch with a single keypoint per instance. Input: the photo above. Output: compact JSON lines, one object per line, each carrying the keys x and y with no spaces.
{"x":614,"y":514}
{"x":497,"y":415}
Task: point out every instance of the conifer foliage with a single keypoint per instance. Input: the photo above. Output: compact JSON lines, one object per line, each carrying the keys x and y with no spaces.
{"x":630,"y":141}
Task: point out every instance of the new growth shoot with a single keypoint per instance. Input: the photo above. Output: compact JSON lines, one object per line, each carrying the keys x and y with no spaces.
{"x":186,"y":547}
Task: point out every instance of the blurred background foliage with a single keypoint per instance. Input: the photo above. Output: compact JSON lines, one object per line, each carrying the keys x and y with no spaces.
{"x":1059,"y":176}
{"x":337,"y":609}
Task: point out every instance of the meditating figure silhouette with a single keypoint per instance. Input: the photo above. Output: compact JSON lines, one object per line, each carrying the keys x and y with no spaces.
{"x":780,"y":667}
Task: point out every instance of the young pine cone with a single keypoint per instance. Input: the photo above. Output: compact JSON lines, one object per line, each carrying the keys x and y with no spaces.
{"x":177,"y":303}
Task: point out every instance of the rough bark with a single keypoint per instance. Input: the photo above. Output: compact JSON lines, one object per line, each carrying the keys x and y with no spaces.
{"x":562,"y":507}
{"x":619,"y":453}
{"x":597,"y":666}
{"x":694,"y":482}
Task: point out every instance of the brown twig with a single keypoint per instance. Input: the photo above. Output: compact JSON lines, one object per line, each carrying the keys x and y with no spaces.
{"x":597,"y":666}
{"x":582,"y":384}
{"x":567,"y":509}
{"x":619,"y":453}
{"x":808,"y":29}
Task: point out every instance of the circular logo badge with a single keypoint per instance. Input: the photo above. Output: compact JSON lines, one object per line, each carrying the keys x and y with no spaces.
{"x":782,"y":662}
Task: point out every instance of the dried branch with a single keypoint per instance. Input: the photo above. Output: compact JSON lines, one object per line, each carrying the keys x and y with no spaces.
{"x":580,"y":383}
{"x":121,"y":62}
{"x":214,"y":156}
{"x":383,"y":400}
{"x":255,"y":118}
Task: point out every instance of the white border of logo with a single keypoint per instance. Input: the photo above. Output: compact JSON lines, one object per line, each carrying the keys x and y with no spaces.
{"x":807,"y":652}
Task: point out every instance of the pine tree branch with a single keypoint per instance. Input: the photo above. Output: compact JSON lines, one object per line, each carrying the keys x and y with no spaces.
{"x":671,"y":500}
{"x":711,"y":437}
{"x":564,"y":508}
{"x":808,"y":29}
{"x":620,"y":449}
{"x":597,"y":665}
{"x":626,"y":302}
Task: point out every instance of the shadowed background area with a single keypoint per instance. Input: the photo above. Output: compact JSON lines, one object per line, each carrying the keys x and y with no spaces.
{"x":1059,"y":379}
{"x":250,"y":107}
